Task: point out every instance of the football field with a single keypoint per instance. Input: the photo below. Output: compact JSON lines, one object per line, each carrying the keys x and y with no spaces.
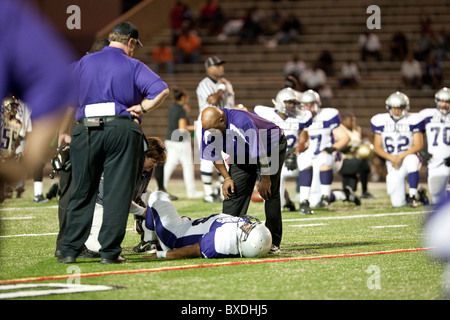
{"x":344,"y":252}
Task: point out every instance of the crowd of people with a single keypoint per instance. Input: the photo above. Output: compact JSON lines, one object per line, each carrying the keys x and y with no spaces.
{"x":105,"y":161}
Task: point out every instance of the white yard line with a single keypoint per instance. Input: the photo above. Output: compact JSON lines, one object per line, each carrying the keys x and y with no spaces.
{"x":374,"y":215}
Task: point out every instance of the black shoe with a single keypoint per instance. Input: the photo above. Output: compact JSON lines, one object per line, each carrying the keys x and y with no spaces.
{"x":324,"y":202}
{"x":40,"y":199}
{"x":67,"y":259}
{"x":305,"y":208}
{"x":423,"y":196}
{"x":367,"y":195}
{"x":290,"y":205}
{"x":350,"y":196}
{"x":411,"y":202}
{"x":120,"y":259}
{"x":88,"y":254}
{"x":20,"y":191}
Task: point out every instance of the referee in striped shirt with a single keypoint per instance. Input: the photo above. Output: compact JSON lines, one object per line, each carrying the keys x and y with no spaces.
{"x":213,"y":90}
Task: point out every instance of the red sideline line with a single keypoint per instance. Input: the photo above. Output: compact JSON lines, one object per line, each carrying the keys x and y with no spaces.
{"x":206,"y":265}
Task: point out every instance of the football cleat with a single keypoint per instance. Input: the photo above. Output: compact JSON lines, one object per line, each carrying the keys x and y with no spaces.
{"x":148,"y":247}
{"x":411,"y":201}
{"x":305,"y":208}
{"x":350,"y":196}
{"x":324,"y":202}
{"x":423,"y":197}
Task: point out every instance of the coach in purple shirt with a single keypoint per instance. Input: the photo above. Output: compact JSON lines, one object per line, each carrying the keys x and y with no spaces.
{"x":256,"y":149}
{"x":114,"y":90}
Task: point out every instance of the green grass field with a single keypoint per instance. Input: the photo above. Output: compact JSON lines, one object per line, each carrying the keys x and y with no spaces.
{"x":341,"y":253}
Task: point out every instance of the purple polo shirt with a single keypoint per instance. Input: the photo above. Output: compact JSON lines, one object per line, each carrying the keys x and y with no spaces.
{"x":34,"y":59}
{"x":248,"y":137}
{"x":110,"y":76}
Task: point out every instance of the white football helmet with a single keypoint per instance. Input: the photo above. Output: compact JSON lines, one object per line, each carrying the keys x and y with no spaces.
{"x":284,"y":95}
{"x":310,"y":96}
{"x":443,"y":96}
{"x":397,"y":100}
{"x":254,"y":239}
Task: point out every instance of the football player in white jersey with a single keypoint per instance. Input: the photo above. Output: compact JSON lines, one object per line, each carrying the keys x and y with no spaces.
{"x":326,"y":136}
{"x":398,"y":138}
{"x":437,"y":129}
{"x":216,"y":236}
{"x":292,"y":121}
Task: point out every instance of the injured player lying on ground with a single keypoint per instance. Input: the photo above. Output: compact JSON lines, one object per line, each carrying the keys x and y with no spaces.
{"x":217,"y":236}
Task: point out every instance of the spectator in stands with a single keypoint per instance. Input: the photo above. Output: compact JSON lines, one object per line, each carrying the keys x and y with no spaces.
{"x":176,"y":20}
{"x":211,"y":17}
{"x":370,"y":45}
{"x":411,"y":72}
{"x":326,"y":62}
{"x":314,"y":78}
{"x":162,"y":55}
{"x":423,"y":46}
{"x":294,"y":67}
{"x":207,"y":12}
{"x":349,"y":74}
{"x":252,"y":27}
{"x":290,"y":30}
{"x":433,"y":74}
{"x":188,"y":46}
{"x":442,"y":44}
{"x":399,"y":46}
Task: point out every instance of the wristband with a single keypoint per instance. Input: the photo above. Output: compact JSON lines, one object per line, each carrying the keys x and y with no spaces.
{"x":227,"y":178}
{"x":221,"y":87}
{"x":161,"y":254}
{"x":142,"y":108}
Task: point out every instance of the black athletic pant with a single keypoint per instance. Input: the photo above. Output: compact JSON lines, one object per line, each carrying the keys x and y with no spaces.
{"x":116,"y":149}
{"x":353,"y":170}
{"x":244,"y":177}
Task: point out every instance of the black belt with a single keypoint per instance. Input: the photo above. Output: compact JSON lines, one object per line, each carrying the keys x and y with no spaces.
{"x":98,"y":121}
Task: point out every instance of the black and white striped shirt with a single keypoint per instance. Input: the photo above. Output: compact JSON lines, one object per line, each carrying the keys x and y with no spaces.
{"x":209,"y":86}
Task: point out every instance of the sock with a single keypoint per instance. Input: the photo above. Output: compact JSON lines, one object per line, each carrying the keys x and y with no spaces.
{"x":207,"y":182}
{"x":326,"y":178}
{"x":413,"y":180}
{"x":37,"y":188}
{"x":305,"y":180}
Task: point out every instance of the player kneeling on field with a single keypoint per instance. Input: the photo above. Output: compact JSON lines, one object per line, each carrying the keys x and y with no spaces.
{"x":398,"y":137}
{"x":216,"y":236}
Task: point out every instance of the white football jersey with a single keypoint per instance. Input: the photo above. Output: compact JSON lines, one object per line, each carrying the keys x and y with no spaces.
{"x":321,"y":130}
{"x":290,"y":126}
{"x":398,"y":135}
{"x":437,"y":128}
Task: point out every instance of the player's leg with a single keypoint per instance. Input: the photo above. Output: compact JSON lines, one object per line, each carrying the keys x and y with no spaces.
{"x":438,"y":178}
{"x":325,"y":161}
{"x":305,"y":177}
{"x":395,"y":187}
{"x":412,"y":165}
{"x":172,"y":160}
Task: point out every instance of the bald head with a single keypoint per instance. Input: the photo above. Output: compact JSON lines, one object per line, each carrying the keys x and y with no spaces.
{"x":214,"y":118}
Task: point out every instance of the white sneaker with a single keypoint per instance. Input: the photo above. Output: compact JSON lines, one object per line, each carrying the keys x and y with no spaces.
{"x":274,"y":249}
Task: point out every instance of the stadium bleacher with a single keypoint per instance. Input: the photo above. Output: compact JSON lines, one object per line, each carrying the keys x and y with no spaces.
{"x":256,"y":69}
